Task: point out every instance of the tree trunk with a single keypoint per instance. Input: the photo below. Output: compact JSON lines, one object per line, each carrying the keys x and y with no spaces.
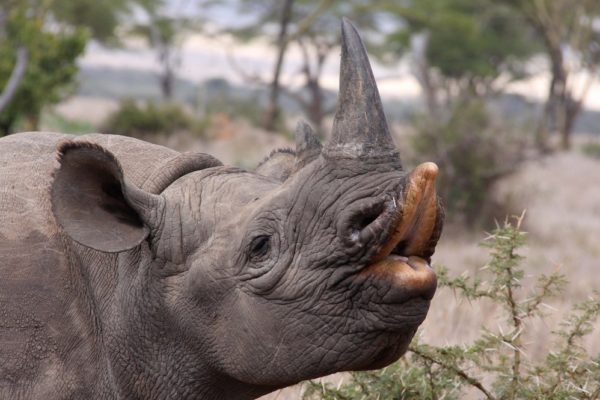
{"x":572,"y":111}
{"x":554,"y":114}
{"x":15,"y":78}
{"x":272,"y":112}
{"x":6,"y":126}
{"x":166,"y":83}
{"x":561,"y":110}
{"x":422,"y":72}
{"x":548,"y":119}
{"x":562,"y":102}
{"x":315,"y":110}
{"x":167,"y":76}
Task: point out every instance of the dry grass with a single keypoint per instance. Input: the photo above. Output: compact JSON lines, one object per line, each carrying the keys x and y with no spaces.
{"x":93,"y":110}
{"x":236,"y":143}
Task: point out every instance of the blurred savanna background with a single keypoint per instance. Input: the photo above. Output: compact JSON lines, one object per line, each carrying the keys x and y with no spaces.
{"x":504,"y":95}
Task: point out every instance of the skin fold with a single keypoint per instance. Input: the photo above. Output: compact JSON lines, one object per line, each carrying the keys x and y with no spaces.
{"x":131,"y":271}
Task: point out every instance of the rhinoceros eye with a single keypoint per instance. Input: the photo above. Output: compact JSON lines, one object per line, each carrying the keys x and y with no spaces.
{"x":260,"y":247}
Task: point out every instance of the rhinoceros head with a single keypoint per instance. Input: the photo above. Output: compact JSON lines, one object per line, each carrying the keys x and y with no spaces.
{"x":317,"y":264}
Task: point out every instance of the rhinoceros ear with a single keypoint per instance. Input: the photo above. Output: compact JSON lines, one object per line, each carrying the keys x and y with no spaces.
{"x":308,"y":146}
{"x":95,"y":206}
{"x":278,"y":165}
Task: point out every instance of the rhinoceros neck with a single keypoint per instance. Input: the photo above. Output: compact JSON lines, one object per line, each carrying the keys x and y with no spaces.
{"x":146,"y":355}
{"x":158,"y":368}
{"x":175,"y":379}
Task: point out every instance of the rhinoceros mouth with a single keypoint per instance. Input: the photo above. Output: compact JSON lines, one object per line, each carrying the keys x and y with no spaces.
{"x":402,"y":258}
{"x":413,"y":276}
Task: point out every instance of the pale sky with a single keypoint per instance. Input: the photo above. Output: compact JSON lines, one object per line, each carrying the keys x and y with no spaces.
{"x":204,"y":58}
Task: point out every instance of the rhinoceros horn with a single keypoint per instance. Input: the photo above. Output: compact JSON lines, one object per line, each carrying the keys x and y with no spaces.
{"x":360,"y":129}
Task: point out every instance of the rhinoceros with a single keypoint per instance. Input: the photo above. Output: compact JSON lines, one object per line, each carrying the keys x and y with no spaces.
{"x":132,"y":271}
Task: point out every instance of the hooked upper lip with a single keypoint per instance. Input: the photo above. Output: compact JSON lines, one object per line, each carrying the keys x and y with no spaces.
{"x":410,"y":236}
{"x":415,"y":222}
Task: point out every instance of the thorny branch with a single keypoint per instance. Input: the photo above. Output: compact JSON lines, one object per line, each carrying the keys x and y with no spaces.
{"x":469,"y":379}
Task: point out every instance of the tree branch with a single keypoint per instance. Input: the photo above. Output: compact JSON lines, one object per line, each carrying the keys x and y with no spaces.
{"x":469,"y":379}
{"x":306,"y":23}
{"x":250,"y":78}
{"x":15,"y":78}
{"x":297,"y":97}
{"x":272,"y":112}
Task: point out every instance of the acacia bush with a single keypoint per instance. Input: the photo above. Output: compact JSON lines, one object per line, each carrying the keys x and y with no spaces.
{"x":495,"y":365}
{"x":135,"y":119}
{"x":591,"y":149}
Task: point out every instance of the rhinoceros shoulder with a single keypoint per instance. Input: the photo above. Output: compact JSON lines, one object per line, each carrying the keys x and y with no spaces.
{"x":43,"y":315}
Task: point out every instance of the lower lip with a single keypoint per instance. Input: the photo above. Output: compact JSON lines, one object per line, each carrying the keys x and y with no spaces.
{"x":412,"y":275}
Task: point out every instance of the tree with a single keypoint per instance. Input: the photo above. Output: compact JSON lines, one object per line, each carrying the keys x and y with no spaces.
{"x":460,"y":48}
{"x":50,"y":69}
{"x":40,"y":41}
{"x":164,"y":31}
{"x":313,"y":29}
{"x":570,"y":35}
{"x":463,"y":53}
{"x":272,"y":112}
{"x":100,"y":18}
{"x":316,"y":42}
{"x":15,"y":78}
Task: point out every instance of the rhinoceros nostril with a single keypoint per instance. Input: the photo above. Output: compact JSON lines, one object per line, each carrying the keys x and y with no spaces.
{"x":363,"y":221}
{"x":364,"y":216}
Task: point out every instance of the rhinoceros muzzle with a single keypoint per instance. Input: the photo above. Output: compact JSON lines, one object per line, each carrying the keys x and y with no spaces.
{"x":396,"y":232}
{"x":408,"y":231}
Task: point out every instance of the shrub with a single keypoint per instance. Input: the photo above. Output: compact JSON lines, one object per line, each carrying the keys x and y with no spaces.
{"x":494,"y":365}
{"x":591,"y":149}
{"x":473,"y":150}
{"x":133,"y":119}
{"x":51,"y":69}
{"x":249,"y":109}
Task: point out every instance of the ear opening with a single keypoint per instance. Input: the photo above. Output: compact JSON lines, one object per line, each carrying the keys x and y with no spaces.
{"x":92,"y":203}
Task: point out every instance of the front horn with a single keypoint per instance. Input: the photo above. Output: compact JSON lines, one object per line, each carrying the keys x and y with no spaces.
{"x":360,"y":129}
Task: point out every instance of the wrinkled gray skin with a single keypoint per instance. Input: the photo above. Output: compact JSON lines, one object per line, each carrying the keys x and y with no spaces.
{"x":130,"y":271}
